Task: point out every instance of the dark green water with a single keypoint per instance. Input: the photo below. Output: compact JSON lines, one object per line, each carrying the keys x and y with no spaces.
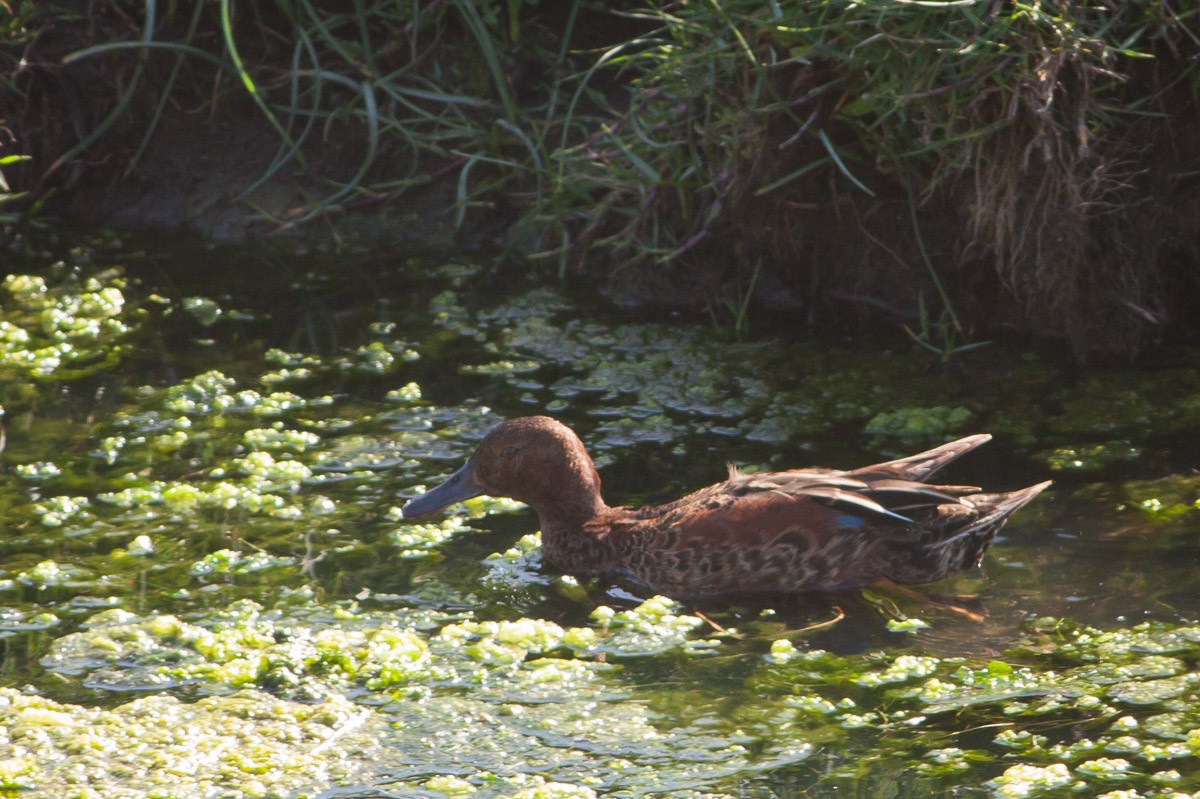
{"x":206,"y":588}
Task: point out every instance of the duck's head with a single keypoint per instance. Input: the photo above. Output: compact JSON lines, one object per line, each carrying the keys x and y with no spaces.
{"x":534,"y":459}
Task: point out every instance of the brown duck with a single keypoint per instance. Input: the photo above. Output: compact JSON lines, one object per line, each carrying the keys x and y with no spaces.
{"x":797,"y":530}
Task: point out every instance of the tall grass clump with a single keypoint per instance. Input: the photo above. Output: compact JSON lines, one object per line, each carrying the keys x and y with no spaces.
{"x":19,"y":25}
{"x":904,"y":154}
{"x":954,"y":165}
{"x":369,"y":100}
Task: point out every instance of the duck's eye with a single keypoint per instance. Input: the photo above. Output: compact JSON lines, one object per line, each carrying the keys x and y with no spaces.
{"x":510,"y":451}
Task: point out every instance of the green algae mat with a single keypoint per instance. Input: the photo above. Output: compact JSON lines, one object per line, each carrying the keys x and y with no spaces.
{"x":207,"y":589}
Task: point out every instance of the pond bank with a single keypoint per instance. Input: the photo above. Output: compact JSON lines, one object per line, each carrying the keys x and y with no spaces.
{"x":963,"y":171}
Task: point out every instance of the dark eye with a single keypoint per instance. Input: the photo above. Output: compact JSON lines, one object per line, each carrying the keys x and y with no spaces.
{"x":510,"y":451}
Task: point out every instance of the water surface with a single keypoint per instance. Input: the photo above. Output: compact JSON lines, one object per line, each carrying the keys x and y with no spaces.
{"x":202,"y":549}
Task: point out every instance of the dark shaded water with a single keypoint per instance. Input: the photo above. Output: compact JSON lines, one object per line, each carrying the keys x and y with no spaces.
{"x":194,"y":447}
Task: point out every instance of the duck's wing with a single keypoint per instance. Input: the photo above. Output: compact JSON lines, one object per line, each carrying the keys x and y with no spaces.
{"x":890,"y":497}
{"x":921,"y":466}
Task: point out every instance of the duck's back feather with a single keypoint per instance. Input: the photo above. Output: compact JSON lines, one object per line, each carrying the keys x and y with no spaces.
{"x":811,"y":529}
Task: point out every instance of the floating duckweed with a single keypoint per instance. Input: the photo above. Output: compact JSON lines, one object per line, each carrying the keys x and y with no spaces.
{"x":374,"y":358}
{"x":202,"y":309}
{"x":1025,"y":779}
{"x":506,"y":641}
{"x":946,"y":761}
{"x":171,"y":442}
{"x":251,"y":647}
{"x":142,"y":545}
{"x":279,"y":376}
{"x":420,"y":540}
{"x":580,"y":638}
{"x":227,"y":561}
{"x":18,"y":773}
{"x":625,"y":432}
{"x":211,"y":393}
{"x":782,"y":650}
{"x":264,"y":465}
{"x":1171,"y":751}
{"x":906,"y":625}
{"x":249,"y":744}
{"x":278,"y":437}
{"x":501,"y":368}
{"x":454,"y":702}
{"x":201,"y":395}
{"x":26,"y":288}
{"x":603,"y":615}
{"x":1021,"y":740}
{"x":902,"y":669}
{"x":1153,"y":692}
{"x":653,"y":626}
{"x":920,"y":422}
{"x":1083,"y":644}
{"x":12,"y":620}
{"x":291,"y":359}
{"x":409,"y":392}
{"x":859,"y":721}
{"x":11,"y":334}
{"x":1166,"y":725}
{"x":321,"y":506}
{"x":450,"y":785}
{"x":277,"y":403}
{"x":486,"y":506}
{"x":64,"y":332}
{"x":1078,"y":750}
{"x":265,"y":475}
{"x":56,"y":511}
{"x":1124,"y":745}
{"x":812,"y":704}
{"x":41,"y":470}
{"x":44,"y":574}
{"x":551,"y":790}
{"x":520,"y":564}
{"x":1109,"y":768}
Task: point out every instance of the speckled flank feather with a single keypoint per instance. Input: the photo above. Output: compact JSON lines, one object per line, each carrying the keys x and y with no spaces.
{"x":797,"y":530}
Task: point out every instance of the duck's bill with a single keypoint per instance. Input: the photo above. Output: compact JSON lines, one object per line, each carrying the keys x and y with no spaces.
{"x":459,"y":486}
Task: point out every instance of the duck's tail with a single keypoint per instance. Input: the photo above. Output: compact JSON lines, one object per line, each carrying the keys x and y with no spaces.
{"x":994,"y":510}
{"x":1011,"y":501}
{"x":956,"y":543}
{"x":920,"y":466}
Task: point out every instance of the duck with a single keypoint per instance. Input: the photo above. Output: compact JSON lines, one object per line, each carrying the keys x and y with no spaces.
{"x":799,"y":530}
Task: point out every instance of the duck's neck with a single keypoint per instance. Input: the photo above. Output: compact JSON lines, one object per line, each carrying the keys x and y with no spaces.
{"x":567,"y":513}
{"x":569,"y":494}
{"x":573,"y":537}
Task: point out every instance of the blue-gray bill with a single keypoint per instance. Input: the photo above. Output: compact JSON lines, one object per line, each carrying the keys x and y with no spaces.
{"x":458,"y":486}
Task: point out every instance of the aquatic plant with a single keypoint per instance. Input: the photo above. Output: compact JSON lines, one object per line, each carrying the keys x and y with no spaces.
{"x":215,"y":554}
{"x":64,"y":329}
{"x":898,"y":711}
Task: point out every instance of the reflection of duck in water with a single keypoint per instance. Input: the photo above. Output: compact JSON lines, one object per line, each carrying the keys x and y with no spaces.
{"x":798,"y":530}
